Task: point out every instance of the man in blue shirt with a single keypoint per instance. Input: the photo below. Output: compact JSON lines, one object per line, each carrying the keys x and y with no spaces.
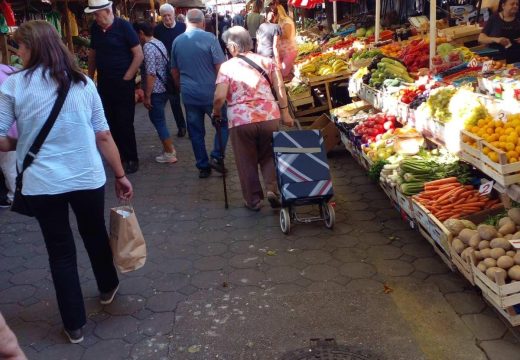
{"x":196,"y":58}
{"x":116,"y":54}
{"x":167,"y":31}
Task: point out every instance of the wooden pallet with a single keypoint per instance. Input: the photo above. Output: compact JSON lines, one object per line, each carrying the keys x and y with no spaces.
{"x":503,"y":173}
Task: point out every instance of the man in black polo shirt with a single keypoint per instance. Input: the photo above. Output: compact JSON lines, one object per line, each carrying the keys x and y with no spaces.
{"x":166,"y":32}
{"x":116,"y":53}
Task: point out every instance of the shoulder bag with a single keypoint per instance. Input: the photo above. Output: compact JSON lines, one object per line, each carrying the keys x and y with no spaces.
{"x":20,"y":204}
{"x":261,"y":71}
{"x":168,"y":82}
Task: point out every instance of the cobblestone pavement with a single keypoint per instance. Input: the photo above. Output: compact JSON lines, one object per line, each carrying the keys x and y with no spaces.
{"x":227,"y":284}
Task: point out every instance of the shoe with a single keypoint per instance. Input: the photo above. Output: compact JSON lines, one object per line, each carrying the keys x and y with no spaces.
{"x":218,"y":165}
{"x":181,"y":132}
{"x":255,"y":208}
{"x":5,"y":203}
{"x":273,"y":199}
{"x":167,"y":158}
{"x":204,"y":173}
{"x":107,"y":297}
{"x":131,"y":166}
{"x":75,"y":336}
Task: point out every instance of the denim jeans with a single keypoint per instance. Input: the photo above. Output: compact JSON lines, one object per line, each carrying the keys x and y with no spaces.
{"x":178,"y":116}
{"x":195,"y":118}
{"x":157,"y":116}
{"x":52,"y":213}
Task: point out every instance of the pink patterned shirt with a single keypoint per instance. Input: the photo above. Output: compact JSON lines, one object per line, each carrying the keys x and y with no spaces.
{"x":249,"y":97}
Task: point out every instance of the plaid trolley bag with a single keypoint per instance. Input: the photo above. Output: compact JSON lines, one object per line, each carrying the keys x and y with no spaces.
{"x":303,"y":176}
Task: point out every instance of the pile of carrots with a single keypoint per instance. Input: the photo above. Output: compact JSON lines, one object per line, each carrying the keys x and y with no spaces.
{"x":449,"y":199}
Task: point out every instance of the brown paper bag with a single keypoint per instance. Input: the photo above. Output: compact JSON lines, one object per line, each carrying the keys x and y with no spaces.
{"x":126,"y":239}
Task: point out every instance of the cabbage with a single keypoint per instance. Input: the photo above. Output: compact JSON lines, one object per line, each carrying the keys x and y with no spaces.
{"x":444,"y":49}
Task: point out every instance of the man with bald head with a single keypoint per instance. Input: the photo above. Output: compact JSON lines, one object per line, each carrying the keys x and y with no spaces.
{"x":166,"y":32}
{"x":195,"y":59}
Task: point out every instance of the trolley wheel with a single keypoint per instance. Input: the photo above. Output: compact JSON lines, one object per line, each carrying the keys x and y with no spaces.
{"x":329,"y":216}
{"x":285,"y":220}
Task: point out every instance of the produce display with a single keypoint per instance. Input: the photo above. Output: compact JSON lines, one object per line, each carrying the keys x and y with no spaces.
{"x":374,"y":127}
{"x":323,"y":64}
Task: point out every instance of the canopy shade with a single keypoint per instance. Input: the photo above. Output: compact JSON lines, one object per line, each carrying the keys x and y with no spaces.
{"x":187,"y":3}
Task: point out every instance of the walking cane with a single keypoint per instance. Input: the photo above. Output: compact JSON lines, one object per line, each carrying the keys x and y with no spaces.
{"x":218,"y":123}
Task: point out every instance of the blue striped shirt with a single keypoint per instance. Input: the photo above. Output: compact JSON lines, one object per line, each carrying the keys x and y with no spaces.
{"x":69,"y":159}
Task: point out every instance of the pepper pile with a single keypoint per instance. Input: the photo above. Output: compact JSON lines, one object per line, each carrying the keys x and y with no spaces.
{"x":415,"y":55}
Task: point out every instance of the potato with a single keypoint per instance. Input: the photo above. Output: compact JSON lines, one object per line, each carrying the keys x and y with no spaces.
{"x":514,"y":272}
{"x":490,"y":262}
{"x":498,"y":252}
{"x":508,"y":236}
{"x":478,"y":255}
{"x":486,"y":253}
{"x":474,"y":241}
{"x":486,"y":232}
{"x":454,"y":226}
{"x":468,"y":224}
{"x":482,"y":267}
{"x":484,"y":244}
{"x":516,"y":259}
{"x":514,"y":214}
{"x":466,"y":234}
{"x":491,"y":272}
{"x":508,"y":227}
{"x":516,"y":235}
{"x":465,"y":255}
{"x":511,"y":253}
{"x":505,"y":262}
{"x":500,"y":243}
{"x":505,"y":220}
{"x":458,"y":245}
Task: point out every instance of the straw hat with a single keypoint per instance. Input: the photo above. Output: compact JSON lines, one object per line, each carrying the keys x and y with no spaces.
{"x":95,"y":5}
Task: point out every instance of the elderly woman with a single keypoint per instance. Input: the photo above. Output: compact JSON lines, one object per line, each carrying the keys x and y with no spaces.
{"x":288,"y":49}
{"x":253,"y":114}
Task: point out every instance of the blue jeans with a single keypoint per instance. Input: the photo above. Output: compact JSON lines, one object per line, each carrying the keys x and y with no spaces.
{"x":195,"y":120}
{"x":157,"y":116}
{"x":178,"y":116}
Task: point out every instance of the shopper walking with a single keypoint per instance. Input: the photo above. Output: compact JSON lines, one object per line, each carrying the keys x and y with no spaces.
{"x":268,"y":37}
{"x":116,"y":54}
{"x":167,"y":31}
{"x":253,"y":115}
{"x":8,"y":159}
{"x":154,"y":74}
{"x":240,"y":18}
{"x":196,"y":58}
{"x":68,"y":169}
{"x":254,"y":19}
{"x":288,"y":48}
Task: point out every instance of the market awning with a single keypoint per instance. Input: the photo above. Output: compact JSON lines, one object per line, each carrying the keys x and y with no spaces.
{"x":308,"y":4}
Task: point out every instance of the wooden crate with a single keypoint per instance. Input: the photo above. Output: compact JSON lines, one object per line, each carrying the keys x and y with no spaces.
{"x":366,"y":163}
{"x":389,"y":191}
{"x":462,"y":265}
{"x":509,"y":314}
{"x":503,"y":173}
{"x":309,"y":100}
{"x":405,"y":202}
{"x":421,"y":214}
{"x":439,"y":233}
{"x":316,"y":80}
{"x":445,"y":256}
{"x":305,"y":94}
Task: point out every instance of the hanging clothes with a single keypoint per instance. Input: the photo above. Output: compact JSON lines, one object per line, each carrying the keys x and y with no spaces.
{"x":55,"y":19}
{"x":8,"y":13}
{"x":73,"y":24}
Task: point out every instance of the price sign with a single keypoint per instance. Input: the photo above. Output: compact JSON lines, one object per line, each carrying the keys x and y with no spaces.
{"x":473,"y":63}
{"x":515,"y":243}
{"x":487,"y":66}
{"x":486,"y":188}
{"x":502,"y":116}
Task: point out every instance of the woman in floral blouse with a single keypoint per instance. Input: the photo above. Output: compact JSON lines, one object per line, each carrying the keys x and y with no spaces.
{"x":253,"y":115}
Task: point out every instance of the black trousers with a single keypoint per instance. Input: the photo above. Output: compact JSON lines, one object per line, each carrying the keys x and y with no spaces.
{"x":52,"y":213}
{"x":175,"y":103}
{"x":118,"y":97}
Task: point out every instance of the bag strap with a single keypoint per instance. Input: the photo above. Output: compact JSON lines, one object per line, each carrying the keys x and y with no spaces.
{"x":46,"y":129}
{"x":165,"y":58}
{"x":261,"y":71}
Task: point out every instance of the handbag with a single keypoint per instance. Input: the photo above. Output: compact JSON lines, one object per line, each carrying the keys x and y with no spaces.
{"x":126,"y":239}
{"x":168,"y":83}
{"x":261,"y":71}
{"x":20,"y":203}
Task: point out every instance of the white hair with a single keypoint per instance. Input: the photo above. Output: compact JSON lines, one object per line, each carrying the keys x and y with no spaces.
{"x":166,"y":8}
{"x":195,"y":16}
{"x":238,"y":37}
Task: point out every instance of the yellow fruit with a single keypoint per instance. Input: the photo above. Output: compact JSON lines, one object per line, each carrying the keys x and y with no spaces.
{"x":517,"y":149}
{"x":509,"y":130}
{"x":510,"y":146}
{"x":486,"y":150}
{"x":513,"y":160}
{"x":512,"y":154}
{"x":490,"y":130}
{"x":502,"y":138}
{"x":493,"y":137}
{"x":508,"y":125}
{"x":512,"y":138}
{"x":482,"y":123}
{"x":501,"y":145}
{"x":493,"y":156}
{"x":517,"y":129}
{"x":496,"y":143}
{"x":499,"y":130}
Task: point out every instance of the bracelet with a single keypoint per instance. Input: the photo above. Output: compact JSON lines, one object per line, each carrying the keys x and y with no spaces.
{"x":284,"y":107}
{"x":120,"y":177}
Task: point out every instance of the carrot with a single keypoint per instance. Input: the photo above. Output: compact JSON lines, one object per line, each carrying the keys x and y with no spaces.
{"x":449,"y":185}
{"x":431,"y":187}
{"x":447,"y":195}
{"x":441,"y":181}
{"x":469,"y":187}
{"x":433,"y":193}
{"x":460,"y":201}
{"x":496,"y":206}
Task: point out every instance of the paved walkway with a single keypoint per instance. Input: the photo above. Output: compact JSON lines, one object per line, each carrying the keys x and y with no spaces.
{"x":227,"y":284}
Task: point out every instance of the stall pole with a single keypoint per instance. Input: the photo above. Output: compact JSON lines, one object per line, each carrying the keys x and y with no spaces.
{"x":378,"y":18}
{"x":67,"y":27}
{"x":433,"y":30}
{"x":152,"y":10}
{"x":216,"y":18}
{"x":335,"y":15}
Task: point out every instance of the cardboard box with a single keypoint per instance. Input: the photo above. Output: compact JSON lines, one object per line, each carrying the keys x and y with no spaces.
{"x":329,"y":131}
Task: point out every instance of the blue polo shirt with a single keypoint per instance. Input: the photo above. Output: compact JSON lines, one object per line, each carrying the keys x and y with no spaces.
{"x":113,"y":48}
{"x":195,"y":54}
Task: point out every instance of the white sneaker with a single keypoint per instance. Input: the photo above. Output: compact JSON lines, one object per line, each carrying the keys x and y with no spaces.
{"x":167,"y":158}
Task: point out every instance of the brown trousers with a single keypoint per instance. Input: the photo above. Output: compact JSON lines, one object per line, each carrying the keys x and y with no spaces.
{"x":252,"y":145}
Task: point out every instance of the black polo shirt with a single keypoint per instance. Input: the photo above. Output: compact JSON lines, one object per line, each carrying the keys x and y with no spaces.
{"x":113,"y":48}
